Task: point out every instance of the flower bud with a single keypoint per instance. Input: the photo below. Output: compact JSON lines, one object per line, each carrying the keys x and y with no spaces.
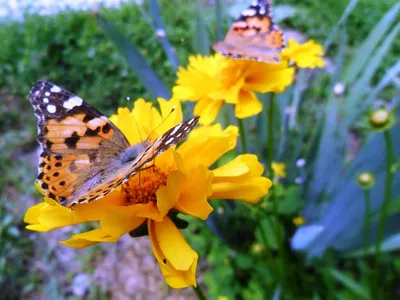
{"x":366,"y":180}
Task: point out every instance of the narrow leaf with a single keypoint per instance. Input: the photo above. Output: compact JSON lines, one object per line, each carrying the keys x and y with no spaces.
{"x":350,"y":283}
{"x":135,"y":60}
{"x":201,"y":41}
{"x":162,"y":34}
{"x":364,"y":51}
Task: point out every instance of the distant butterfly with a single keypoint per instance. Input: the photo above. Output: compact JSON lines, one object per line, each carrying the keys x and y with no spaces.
{"x":254,"y":35}
{"x":85,"y":156}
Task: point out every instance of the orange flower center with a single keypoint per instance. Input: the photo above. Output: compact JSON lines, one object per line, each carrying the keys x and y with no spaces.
{"x":142,"y":188}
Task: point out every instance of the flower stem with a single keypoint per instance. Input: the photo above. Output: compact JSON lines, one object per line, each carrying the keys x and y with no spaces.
{"x":242,"y":135}
{"x":367,"y":218}
{"x":270,"y":124}
{"x":387,"y":194}
{"x":384,"y":210}
{"x":199,"y":292}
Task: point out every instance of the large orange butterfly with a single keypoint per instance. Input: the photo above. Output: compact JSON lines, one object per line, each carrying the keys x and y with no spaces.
{"x":85,"y":156}
{"x":253,"y":35}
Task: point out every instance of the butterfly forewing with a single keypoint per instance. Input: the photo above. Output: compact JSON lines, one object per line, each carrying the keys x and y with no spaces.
{"x":253,"y":35}
{"x":82,"y":151}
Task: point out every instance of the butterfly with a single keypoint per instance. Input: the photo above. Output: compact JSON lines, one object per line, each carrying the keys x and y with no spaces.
{"x":84,"y":155}
{"x":254,"y":35}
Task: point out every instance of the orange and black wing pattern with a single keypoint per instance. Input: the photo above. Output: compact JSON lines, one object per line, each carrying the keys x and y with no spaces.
{"x":254,"y":35}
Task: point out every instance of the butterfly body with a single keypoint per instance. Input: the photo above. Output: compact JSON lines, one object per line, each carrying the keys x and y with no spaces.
{"x":84,"y":155}
{"x":253,"y":36}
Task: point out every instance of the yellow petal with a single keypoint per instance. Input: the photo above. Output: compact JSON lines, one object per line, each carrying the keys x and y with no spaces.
{"x":279,"y":169}
{"x":207,"y":144}
{"x":266,"y":78}
{"x":308,"y":55}
{"x":195,"y":188}
{"x":242,"y":165}
{"x":177,"y":261}
{"x":50,"y":215}
{"x":248,"y":105}
{"x":88,"y":238}
{"x":241,"y":178}
{"x":248,"y":189}
{"x":208,"y":110}
{"x":167,"y":196}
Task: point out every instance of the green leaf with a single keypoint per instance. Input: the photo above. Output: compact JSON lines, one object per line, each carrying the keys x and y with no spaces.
{"x":349,"y":9}
{"x":218,"y":20}
{"x":350,"y":283}
{"x":201,"y":41}
{"x":364,"y":51}
{"x":359,"y":89}
{"x":291,"y":203}
{"x":135,"y":60}
{"x":271,"y":226}
{"x":161,"y":34}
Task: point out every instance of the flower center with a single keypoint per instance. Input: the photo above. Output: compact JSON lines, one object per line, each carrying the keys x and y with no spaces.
{"x":142,"y":187}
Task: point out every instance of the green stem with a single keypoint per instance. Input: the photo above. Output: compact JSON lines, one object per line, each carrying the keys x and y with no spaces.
{"x":270,"y":124}
{"x":367,"y":218}
{"x":387,"y":194}
{"x":384,"y":212}
{"x":242,"y":135}
{"x":199,"y":292}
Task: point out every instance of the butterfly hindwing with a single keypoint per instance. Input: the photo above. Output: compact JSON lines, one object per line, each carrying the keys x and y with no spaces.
{"x":254,"y":35}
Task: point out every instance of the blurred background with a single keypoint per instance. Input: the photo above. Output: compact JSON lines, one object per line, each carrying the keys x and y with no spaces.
{"x":67,"y":43}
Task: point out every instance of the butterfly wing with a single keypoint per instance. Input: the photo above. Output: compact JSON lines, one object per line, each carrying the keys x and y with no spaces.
{"x":84,"y":156}
{"x":78,"y":144}
{"x":168,"y":139}
{"x":253,"y":35}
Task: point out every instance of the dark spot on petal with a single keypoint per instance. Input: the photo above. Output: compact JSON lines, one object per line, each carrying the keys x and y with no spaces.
{"x":72,"y":141}
{"x":164,"y":261}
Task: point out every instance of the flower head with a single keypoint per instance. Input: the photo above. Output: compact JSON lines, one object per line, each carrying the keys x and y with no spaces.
{"x":279,"y":169}
{"x":308,"y":55}
{"x":214,"y":80}
{"x":179,"y":180}
{"x":298,"y":221}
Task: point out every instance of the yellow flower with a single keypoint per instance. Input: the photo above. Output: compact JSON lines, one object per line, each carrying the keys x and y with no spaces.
{"x":308,"y":55}
{"x":180,"y":180}
{"x":298,"y":221}
{"x":279,"y":169}
{"x":212,"y":81}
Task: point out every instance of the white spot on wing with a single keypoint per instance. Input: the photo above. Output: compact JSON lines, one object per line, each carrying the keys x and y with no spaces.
{"x":72,"y":102}
{"x":176,"y":129}
{"x":51,"y":108}
{"x":47,"y":94}
{"x":46,"y":100}
{"x":55,"y":89}
{"x":249,"y":12}
{"x":169,"y":141}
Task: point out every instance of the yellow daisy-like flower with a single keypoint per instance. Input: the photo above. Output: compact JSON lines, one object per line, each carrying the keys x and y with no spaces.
{"x":279,"y":169}
{"x":214,"y":80}
{"x":179,"y":181}
{"x":308,"y":55}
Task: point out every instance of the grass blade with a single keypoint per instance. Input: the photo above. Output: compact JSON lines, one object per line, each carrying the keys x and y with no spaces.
{"x":350,"y":283}
{"x":201,"y":41}
{"x":161,"y":34}
{"x":136,"y":61}
{"x":363,"y":53}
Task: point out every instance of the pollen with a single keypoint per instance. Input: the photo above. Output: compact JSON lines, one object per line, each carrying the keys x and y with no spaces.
{"x":142,"y":188}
